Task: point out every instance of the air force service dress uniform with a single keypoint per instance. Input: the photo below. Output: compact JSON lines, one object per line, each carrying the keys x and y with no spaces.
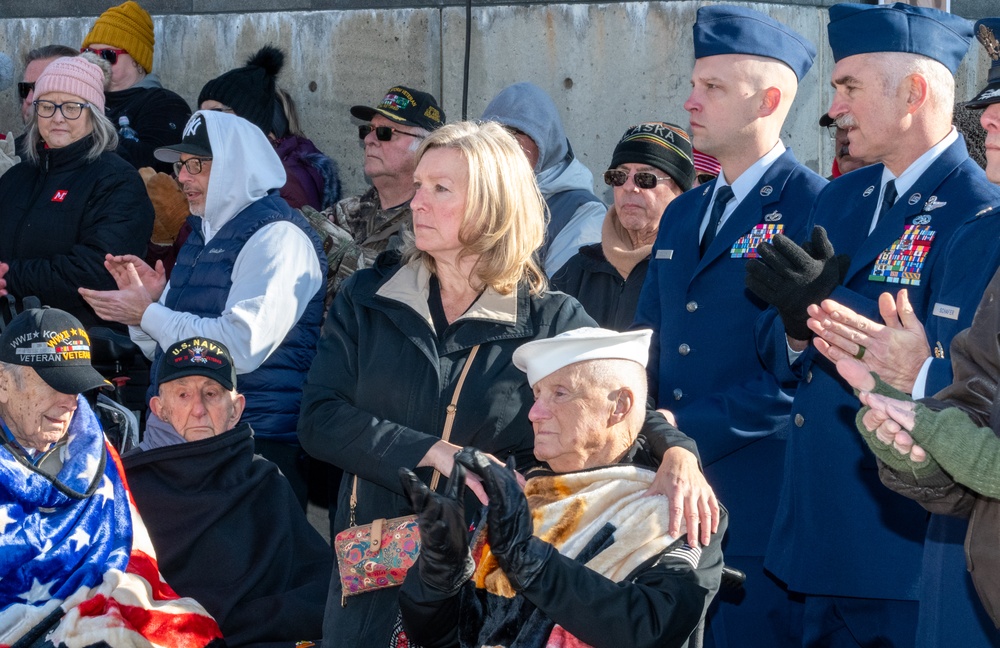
{"x":703,"y":361}
{"x":838,"y":532}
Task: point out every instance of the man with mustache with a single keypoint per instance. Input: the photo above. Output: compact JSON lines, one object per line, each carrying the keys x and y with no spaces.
{"x":922,"y":219}
{"x":947,"y":600}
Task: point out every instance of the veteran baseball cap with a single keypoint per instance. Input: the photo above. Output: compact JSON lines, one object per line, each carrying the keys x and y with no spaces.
{"x":405,"y":106}
{"x":55,"y":345}
{"x":539,"y":358}
{"x":198,"y":356}
{"x":194,"y":142}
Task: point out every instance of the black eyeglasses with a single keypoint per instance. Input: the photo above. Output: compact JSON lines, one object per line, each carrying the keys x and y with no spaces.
{"x":702,"y":178}
{"x":382,"y":133}
{"x":193,"y":165}
{"x":642,"y":179}
{"x":110,"y":54}
{"x":69,"y":109}
{"x":24,"y":89}
{"x":832,"y":129}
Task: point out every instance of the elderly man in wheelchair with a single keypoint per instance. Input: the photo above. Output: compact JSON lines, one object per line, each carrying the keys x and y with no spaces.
{"x":579,"y":556}
{"x":76,"y":565}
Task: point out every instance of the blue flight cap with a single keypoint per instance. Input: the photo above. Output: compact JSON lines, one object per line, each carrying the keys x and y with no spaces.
{"x":986,"y":31}
{"x":725,"y":29}
{"x":864,"y":29}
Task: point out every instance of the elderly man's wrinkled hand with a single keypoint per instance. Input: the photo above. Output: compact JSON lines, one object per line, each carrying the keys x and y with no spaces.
{"x":892,"y":420}
{"x":692,"y":500}
{"x":445,"y":560}
{"x":895,"y":351}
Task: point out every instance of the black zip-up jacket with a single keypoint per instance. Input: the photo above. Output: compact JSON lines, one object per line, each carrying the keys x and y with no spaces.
{"x":157,"y":116}
{"x":606,"y":296}
{"x":58,"y":220}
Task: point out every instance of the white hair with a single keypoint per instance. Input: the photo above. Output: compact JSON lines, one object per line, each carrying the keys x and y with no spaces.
{"x":894,"y":67}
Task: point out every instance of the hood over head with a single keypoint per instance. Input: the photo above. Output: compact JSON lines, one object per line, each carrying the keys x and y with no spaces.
{"x":244,"y":167}
{"x":529,"y":109}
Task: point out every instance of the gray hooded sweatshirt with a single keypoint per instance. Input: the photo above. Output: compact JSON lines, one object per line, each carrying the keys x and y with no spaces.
{"x":529,"y":109}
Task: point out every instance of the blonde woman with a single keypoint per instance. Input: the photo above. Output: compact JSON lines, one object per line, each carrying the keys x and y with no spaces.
{"x":399,"y":334}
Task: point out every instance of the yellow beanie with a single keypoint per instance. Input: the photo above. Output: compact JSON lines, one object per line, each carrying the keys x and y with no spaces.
{"x":126,"y":27}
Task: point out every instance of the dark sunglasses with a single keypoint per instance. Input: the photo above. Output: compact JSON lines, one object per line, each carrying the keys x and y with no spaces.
{"x":110,"y":54}
{"x":642,"y":179}
{"x":382,"y":133}
{"x":24,"y":89}
{"x":702,"y":178}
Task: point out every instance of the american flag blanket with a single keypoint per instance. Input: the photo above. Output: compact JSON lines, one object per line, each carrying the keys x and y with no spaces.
{"x":76,"y":564}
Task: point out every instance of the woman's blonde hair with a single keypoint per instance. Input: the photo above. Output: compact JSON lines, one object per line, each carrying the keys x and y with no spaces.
{"x":505,"y":213}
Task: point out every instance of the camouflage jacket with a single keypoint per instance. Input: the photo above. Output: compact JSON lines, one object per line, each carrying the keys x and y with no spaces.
{"x":354,"y":232}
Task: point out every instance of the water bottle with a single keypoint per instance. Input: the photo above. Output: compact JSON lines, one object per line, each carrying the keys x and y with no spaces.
{"x":125,"y":130}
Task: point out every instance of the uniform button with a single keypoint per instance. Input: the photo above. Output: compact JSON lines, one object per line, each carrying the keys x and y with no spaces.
{"x":799,"y":420}
{"x":692,"y":306}
{"x":683,"y":349}
{"x":809,"y":377}
{"x":678,"y":394}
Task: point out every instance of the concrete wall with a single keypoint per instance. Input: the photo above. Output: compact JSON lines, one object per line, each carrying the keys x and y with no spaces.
{"x":606,"y":65}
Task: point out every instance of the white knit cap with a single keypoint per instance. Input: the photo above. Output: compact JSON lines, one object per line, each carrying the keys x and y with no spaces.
{"x":76,"y":76}
{"x":540,"y":358}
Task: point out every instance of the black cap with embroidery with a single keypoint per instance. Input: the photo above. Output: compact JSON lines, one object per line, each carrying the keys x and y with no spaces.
{"x":55,"y":345}
{"x":194,"y":142}
{"x":198,"y":357}
{"x":405,"y":106}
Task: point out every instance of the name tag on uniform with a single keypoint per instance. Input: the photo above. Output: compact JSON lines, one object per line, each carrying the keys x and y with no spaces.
{"x":664,"y":254}
{"x":944,"y":310}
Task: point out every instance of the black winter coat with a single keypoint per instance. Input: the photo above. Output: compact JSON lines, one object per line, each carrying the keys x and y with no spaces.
{"x":59,"y":219}
{"x":156,"y":114}
{"x":606,"y":296}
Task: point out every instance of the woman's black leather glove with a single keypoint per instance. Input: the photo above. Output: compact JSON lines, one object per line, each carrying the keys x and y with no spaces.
{"x":445,"y":561}
{"x":790,"y":277}
{"x":509,"y":527}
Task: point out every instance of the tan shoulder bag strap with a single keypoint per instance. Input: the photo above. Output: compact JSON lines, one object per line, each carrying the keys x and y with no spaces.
{"x":445,"y":433}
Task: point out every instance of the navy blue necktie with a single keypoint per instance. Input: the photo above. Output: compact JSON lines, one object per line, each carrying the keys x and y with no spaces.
{"x":888,"y":200}
{"x":722,"y":197}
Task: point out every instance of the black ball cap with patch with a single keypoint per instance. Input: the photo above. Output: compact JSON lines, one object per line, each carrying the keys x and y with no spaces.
{"x":55,"y":345}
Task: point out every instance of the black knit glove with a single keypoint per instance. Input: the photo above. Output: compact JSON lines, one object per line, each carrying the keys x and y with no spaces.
{"x":445,"y":561}
{"x":790,"y":277}
{"x":509,"y":527}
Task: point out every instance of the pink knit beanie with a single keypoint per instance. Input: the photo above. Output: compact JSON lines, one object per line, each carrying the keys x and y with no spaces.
{"x":76,"y":76}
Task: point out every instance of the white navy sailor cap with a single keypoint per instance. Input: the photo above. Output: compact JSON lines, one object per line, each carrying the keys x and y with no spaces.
{"x":540,"y":358}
